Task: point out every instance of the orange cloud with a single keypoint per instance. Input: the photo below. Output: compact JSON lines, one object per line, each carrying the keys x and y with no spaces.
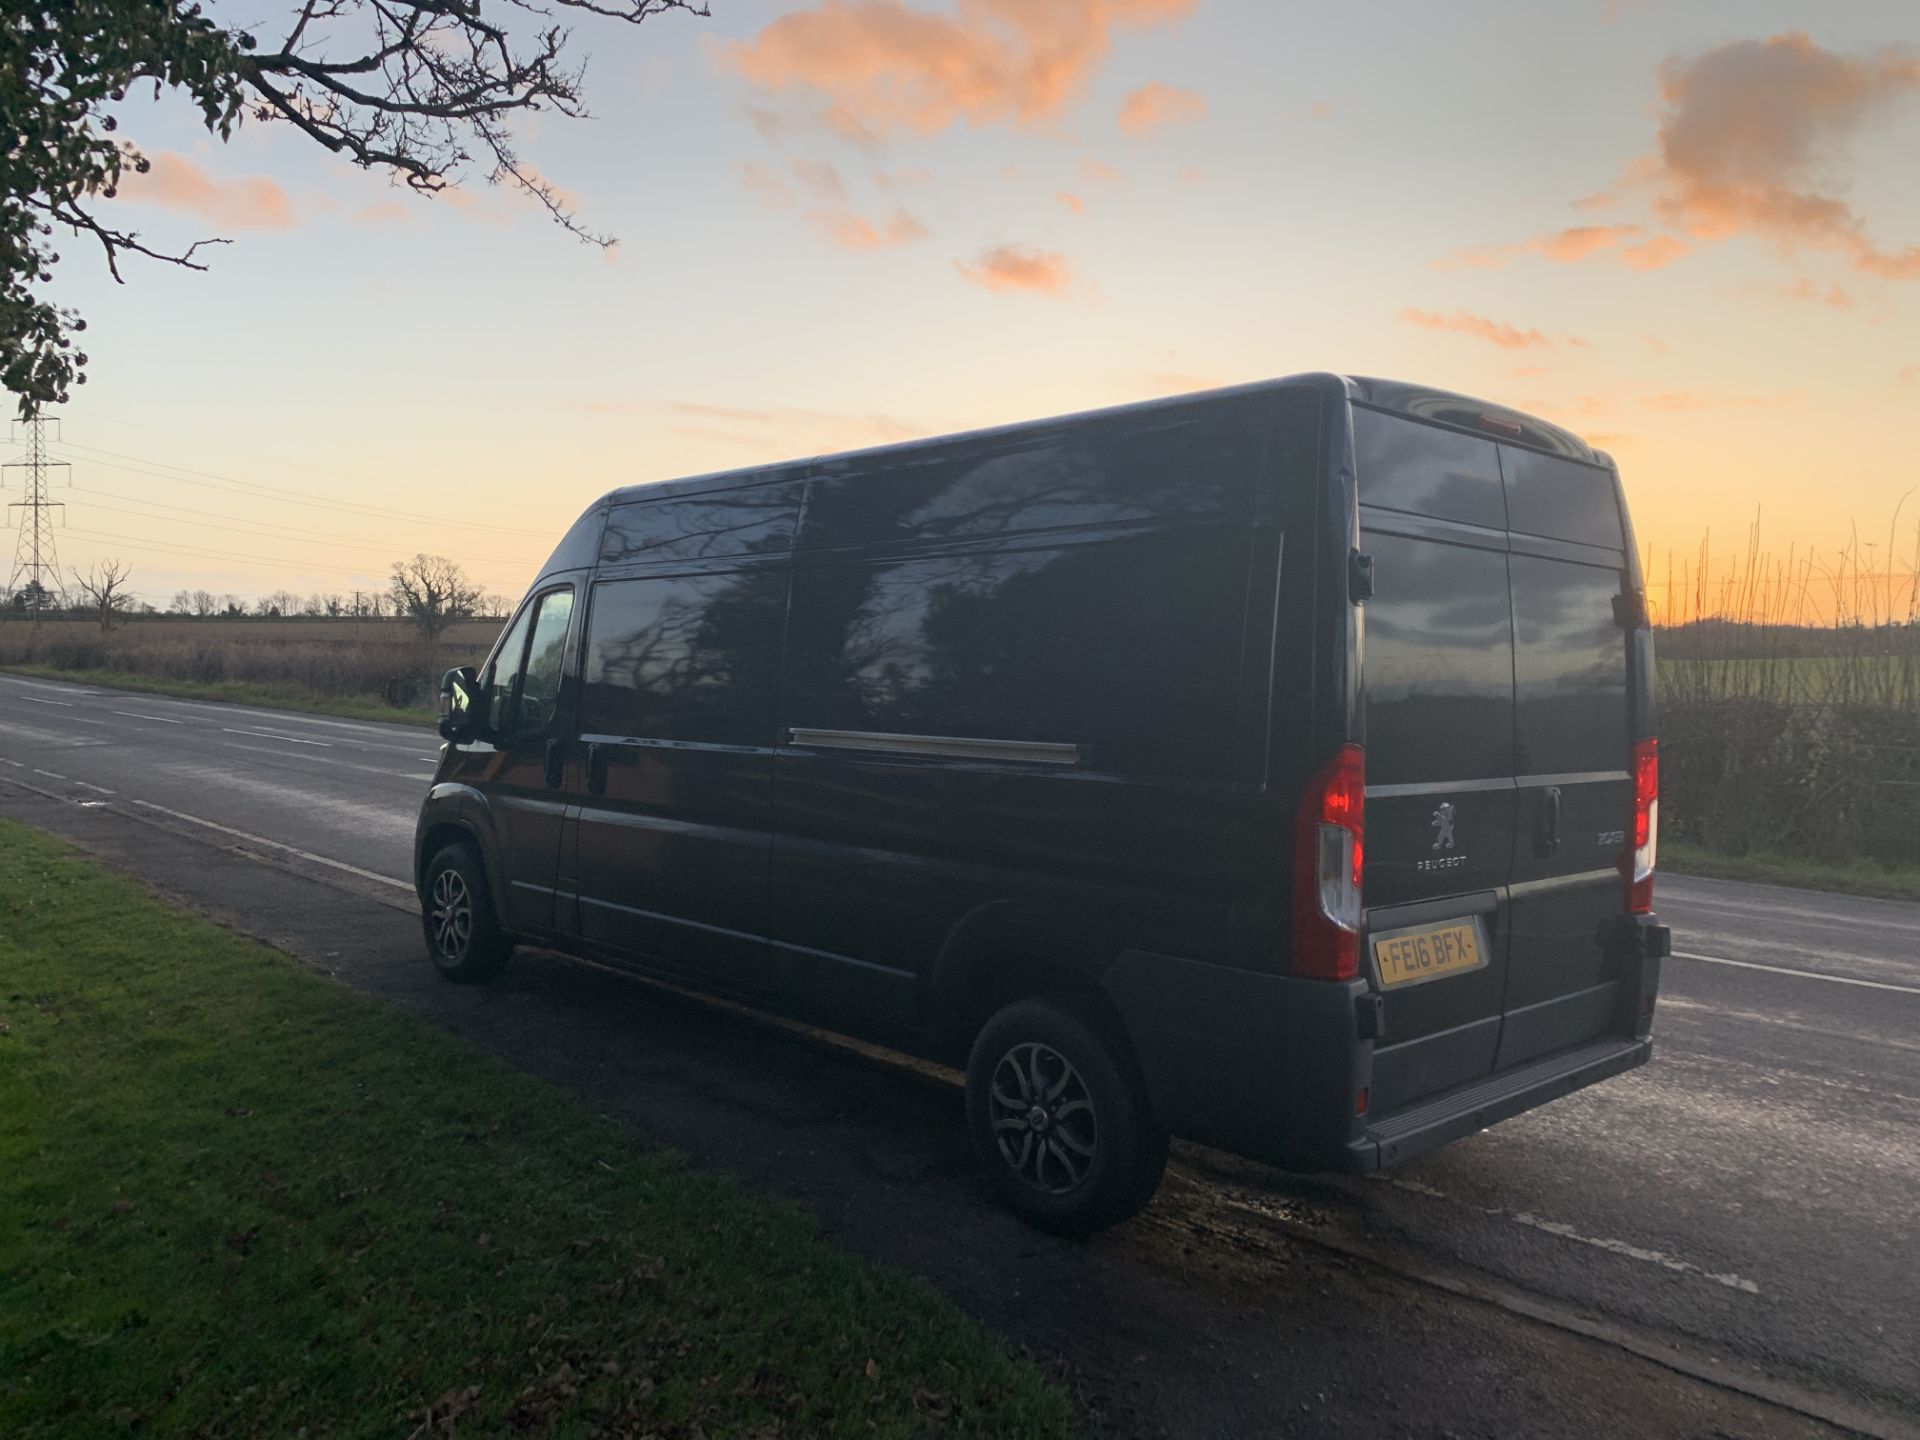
{"x":175,"y":183}
{"x":1494,"y":332}
{"x":1575,"y":245}
{"x":880,"y":67}
{"x":1072,"y":201}
{"x":1677,"y":402}
{"x":1749,"y":135}
{"x":1006,"y":269}
{"x":765,"y":186}
{"x":820,"y":179}
{"x":799,"y":429}
{"x":1100,"y":173}
{"x":1910,"y":374}
{"x":1834,"y":297}
{"x":1152,"y":106}
{"x":851,"y":231}
{"x":1655,"y":254}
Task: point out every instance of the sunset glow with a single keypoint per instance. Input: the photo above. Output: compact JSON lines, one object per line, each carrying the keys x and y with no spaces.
{"x":1690,"y":233}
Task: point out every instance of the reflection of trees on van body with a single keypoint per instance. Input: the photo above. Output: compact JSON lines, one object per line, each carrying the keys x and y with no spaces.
{"x":1054,"y":644}
{"x":690,"y":657}
{"x":749,"y":521}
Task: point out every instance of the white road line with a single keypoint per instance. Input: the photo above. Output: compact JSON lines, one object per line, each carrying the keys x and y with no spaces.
{"x":97,"y":789}
{"x":15,"y":763}
{"x":49,"y":774}
{"x":136,"y":715}
{"x":275,"y":844}
{"x":1566,"y":1232}
{"x":36,"y":700}
{"x":269,"y":735}
{"x":1800,"y":974}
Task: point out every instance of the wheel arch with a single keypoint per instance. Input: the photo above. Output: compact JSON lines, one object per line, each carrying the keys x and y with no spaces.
{"x":459,"y":814}
{"x":1005,"y":951}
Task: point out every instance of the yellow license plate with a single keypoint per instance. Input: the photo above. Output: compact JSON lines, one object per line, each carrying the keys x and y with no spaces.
{"x":1428,"y":952}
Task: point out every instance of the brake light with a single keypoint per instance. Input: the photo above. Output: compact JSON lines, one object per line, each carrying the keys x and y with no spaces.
{"x":1638,"y":865}
{"x":1329,"y":848}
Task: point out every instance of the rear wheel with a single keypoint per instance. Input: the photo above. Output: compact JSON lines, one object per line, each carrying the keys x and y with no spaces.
{"x":463,"y":937}
{"x":1060,"y":1119}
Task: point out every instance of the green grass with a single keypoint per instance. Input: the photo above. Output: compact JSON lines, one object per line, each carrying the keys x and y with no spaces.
{"x":1862,"y":877}
{"x":239,"y":692}
{"x":237,"y":1199}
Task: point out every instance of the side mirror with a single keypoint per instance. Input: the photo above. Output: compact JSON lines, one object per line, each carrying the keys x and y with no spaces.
{"x":461,"y":707}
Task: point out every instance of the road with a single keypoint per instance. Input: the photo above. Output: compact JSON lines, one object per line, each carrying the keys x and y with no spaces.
{"x":1744,"y":1205}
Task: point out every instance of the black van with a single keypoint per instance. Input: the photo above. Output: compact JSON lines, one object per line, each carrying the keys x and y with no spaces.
{"x":1273,"y":767}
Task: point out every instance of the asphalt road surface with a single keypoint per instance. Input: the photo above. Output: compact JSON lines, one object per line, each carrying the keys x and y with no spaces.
{"x":1743,"y":1210}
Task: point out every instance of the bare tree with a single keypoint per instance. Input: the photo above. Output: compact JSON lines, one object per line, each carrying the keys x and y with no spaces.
{"x":103,"y":589}
{"x":181,"y":604}
{"x":433,"y":592}
{"x":421,"y":90}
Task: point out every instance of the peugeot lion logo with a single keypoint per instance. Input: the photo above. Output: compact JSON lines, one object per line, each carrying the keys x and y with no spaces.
{"x":1442,"y":823}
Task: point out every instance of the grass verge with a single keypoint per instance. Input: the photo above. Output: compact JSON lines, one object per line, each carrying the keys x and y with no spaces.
{"x":1862,"y":877}
{"x":236,"y":1199}
{"x":237,"y":692}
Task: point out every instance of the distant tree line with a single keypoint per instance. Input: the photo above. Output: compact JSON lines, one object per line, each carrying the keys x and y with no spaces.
{"x":431,"y":591}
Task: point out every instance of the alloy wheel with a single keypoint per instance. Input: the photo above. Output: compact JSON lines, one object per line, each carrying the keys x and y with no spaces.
{"x":451,"y":914}
{"x":1043,"y":1118}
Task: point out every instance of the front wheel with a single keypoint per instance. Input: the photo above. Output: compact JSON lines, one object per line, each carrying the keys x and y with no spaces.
{"x":1060,"y":1120}
{"x":463,"y":937}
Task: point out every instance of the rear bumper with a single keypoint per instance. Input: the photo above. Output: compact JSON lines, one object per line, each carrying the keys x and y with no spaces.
{"x":1437,"y":1119}
{"x":1281,"y":1070}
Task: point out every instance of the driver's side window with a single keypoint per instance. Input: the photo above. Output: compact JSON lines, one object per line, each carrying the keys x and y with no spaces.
{"x":506,"y":673}
{"x":525,"y":689}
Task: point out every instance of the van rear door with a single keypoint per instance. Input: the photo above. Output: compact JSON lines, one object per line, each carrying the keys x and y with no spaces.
{"x":1439,"y":685}
{"x":1572,"y":750}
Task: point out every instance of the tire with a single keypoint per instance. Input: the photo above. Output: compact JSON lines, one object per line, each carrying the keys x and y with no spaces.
{"x":1086,"y":1154}
{"x":463,"y":936}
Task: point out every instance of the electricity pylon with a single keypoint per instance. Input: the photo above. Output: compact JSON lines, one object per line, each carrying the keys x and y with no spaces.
{"x":35,"y":581}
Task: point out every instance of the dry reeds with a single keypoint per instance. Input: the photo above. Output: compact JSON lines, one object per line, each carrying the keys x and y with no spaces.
{"x":383,"y":662}
{"x":1790,"y":699}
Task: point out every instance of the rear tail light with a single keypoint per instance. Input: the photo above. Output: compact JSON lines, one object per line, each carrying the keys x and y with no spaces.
{"x":1329,"y":845}
{"x":1639,"y":864}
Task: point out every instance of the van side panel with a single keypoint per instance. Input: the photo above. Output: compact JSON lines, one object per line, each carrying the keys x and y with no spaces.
{"x":680,"y":673}
{"x":1013,"y":717}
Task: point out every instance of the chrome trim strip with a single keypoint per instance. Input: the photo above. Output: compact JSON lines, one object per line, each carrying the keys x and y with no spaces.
{"x":1579,"y":777}
{"x":1438,"y":787}
{"x":953,"y":747}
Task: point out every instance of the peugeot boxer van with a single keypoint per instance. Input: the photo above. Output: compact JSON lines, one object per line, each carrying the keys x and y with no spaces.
{"x":1273,"y":767}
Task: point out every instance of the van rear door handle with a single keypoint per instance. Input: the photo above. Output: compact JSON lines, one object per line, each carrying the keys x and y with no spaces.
{"x":1546,"y":837}
{"x":556,"y":763}
{"x":596,"y":769}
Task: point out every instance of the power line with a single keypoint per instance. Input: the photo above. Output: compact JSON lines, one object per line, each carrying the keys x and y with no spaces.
{"x":268,"y":528}
{"x":160,"y":469}
{"x":36,"y":566}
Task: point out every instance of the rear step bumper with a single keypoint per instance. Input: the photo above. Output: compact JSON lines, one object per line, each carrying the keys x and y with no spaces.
{"x":1434,"y":1121}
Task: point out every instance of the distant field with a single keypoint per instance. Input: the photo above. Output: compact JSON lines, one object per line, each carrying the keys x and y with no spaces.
{"x":466,"y":634}
{"x":1819,"y":678}
{"x":366,"y":668}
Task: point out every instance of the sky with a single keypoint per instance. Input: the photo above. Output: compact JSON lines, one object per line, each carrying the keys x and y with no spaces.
{"x":1688,"y":231}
